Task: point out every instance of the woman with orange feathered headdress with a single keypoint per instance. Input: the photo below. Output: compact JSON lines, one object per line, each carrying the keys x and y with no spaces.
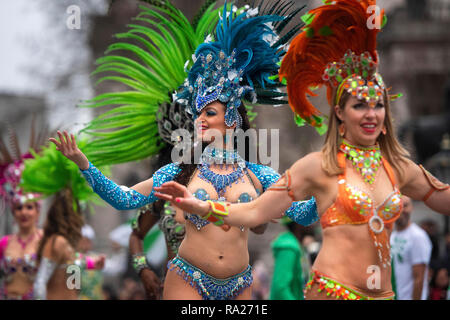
{"x":358,"y":176}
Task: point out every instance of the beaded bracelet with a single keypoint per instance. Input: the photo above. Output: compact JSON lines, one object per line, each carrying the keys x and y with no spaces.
{"x":218,"y":211}
{"x":83,"y":261}
{"x":139,"y":262}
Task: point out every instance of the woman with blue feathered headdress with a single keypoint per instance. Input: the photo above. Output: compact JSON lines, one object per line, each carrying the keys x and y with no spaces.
{"x":237,"y":66}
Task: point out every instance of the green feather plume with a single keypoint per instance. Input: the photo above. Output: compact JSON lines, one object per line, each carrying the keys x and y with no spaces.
{"x":50,"y":172}
{"x":150,"y":60}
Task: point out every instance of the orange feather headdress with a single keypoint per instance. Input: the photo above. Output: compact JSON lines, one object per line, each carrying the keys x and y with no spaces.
{"x":337,"y":48}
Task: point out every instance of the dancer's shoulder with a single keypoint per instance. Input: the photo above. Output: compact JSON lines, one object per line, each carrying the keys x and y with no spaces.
{"x":309,"y":170}
{"x":265,"y":174}
{"x":311,"y":163}
{"x":58,"y":242}
{"x":260,"y":169}
{"x":170,"y":169}
{"x":55,"y":246}
{"x":166,"y":174}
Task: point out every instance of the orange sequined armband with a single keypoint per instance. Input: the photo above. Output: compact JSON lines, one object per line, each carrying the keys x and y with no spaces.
{"x":286,"y":186}
{"x":434,"y":182}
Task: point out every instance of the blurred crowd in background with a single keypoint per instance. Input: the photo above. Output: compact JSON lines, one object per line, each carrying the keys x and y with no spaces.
{"x":45,"y":71}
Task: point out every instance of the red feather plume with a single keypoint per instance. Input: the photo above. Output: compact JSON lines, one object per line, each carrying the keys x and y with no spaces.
{"x":334,"y":29}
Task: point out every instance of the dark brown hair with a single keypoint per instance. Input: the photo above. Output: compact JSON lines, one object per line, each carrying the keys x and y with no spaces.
{"x":64,"y":218}
{"x":188,"y":169}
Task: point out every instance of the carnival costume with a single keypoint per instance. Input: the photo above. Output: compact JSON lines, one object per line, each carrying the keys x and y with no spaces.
{"x":142,"y":123}
{"x":235,"y":67}
{"x":337,"y":48}
{"x":11,"y":168}
{"x":48,"y":174}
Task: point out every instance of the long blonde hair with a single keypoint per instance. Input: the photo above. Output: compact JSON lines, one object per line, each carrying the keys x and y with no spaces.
{"x":390,"y":148}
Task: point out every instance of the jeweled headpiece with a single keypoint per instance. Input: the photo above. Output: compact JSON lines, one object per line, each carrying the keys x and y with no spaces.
{"x":12,"y":166}
{"x":337,"y":48}
{"x":239,"y":64}
{"x":356,"y":74}
{"x":220,"y":81}
{"x":10,"y":189}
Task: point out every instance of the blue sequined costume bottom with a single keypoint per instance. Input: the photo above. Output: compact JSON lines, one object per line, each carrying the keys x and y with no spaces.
{"x":209,"y":287}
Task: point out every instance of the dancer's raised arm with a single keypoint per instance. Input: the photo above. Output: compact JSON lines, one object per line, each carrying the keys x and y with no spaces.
{"x":120,"y":197}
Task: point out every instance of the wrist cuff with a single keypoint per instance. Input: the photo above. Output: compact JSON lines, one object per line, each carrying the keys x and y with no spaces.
{"x":139,"y":262}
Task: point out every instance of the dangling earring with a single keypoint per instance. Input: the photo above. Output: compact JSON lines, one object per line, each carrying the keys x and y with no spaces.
{"x":342,"y":129}
{"x":383,"y":130}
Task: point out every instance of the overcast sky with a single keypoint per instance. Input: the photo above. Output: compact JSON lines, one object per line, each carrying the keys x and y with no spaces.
{"x":38,"y":51}
{"x":23,"y":24}
{"x":42,"y":57}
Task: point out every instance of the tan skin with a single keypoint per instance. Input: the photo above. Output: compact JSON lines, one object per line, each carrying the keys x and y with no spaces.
{"x":418,"y":270}
{"x":26,"y":217}
{"x":59,"y":250}
{"x":347,"y":250}
{"x":217,"y":252}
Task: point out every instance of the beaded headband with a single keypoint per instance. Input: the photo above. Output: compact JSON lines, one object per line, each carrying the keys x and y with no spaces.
{"x":10,"y":189}
{"x":12,"y":161}
{"x":356,"y":74}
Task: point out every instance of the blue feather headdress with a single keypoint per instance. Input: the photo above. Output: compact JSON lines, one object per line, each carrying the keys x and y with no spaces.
{"x":239,"y":65}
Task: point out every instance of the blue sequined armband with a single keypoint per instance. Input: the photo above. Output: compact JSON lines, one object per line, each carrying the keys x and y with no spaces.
{"x":266,"y":175}
{"x":303,"y":212}
{"x":122,"y":197}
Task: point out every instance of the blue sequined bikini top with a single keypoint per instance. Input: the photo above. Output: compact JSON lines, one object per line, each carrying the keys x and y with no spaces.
{"x":221,"y":182}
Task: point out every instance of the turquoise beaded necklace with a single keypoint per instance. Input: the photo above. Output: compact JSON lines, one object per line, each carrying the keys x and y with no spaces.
{"x":222,"y":157}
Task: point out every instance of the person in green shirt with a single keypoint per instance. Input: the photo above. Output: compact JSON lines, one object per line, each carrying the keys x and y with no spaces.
{"x":291,"y":263}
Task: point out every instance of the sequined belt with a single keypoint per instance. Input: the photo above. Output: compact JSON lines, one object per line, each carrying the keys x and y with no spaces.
{"x":208,"y":287}
{"x":336,"y":289}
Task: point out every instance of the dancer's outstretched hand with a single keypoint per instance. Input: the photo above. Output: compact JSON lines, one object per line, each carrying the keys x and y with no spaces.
{"x":68,"y":147}
{"x":180,"y":197}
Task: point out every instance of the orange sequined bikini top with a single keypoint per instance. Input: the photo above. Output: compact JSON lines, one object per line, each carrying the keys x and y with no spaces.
{"x":354,"y":206}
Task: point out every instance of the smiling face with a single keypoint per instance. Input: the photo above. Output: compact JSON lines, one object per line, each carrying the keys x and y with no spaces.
{"x":26,"y":215}
{"x":211,"y":122}
{"x":363,"y":124}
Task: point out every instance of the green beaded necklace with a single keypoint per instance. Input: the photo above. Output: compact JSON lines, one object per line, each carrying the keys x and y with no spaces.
{"x":367,"y":161}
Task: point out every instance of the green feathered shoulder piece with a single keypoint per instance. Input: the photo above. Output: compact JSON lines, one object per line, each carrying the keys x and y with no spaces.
{"x":50,"y":172}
